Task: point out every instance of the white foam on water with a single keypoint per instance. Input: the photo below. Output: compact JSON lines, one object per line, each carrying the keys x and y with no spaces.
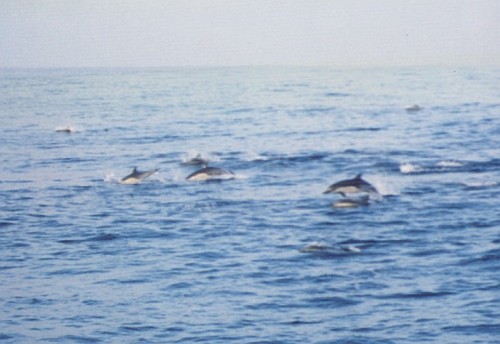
{"x":157,"y":178}
{"x":240,"y":176}
{"x":384,"y":186}
{"x":352,"y":248}
{"x":407,"y":168}
{"x":111,"y":178}
{"x":449,"y":163}
{"x":179,"y":176}
{"x":253,"y":156}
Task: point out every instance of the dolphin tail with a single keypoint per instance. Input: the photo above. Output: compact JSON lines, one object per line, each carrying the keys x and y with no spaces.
{"x":327,"y":191}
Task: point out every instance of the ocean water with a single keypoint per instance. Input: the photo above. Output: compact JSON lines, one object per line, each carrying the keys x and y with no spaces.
{"x":264,"y":257}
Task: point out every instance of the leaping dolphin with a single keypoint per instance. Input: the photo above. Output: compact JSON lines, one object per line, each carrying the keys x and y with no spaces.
{"x":352,"y":186}
{"x":137,"y":176}
{"x":209,"y":173}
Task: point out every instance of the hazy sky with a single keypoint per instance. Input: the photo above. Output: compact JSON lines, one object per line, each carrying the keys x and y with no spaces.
{"x":122,"y":33}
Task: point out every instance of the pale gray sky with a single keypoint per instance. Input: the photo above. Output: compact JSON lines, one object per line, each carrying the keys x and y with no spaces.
{"x":125,"y":33}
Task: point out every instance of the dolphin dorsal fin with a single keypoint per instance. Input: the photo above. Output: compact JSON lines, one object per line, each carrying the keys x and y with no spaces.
{"x":358,"y":177}
{"x":134,"y":170}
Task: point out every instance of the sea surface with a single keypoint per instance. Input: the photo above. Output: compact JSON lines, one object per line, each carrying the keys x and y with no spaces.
{"x":264,"y":257}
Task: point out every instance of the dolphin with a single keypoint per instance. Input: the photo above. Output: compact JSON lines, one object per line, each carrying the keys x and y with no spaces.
{"x":336,"y":250}
{"x":209,"y":173}
{"x":197,"y":160}
{"x":413,"y":108}
{"x":68,"y":130}
{"x":352,"y":186}
{"x":137,"y":176}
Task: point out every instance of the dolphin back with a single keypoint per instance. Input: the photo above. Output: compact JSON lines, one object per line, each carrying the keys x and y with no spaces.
{"x":356,"y":184}
{"x":136,"y":176}
{"x":209,"y":173}
{"x":146,"y":174}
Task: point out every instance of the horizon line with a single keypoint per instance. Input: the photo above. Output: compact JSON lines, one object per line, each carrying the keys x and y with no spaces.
{"x":207,"y":66}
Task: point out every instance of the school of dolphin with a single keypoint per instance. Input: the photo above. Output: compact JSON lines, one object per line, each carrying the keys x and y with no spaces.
{"x":346,"y":188}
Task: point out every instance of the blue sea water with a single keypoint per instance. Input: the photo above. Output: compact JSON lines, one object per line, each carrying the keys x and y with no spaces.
{"x":262,"y":258}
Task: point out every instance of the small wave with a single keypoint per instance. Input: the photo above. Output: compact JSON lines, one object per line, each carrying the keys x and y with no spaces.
{"x":239,"y":110}
{"x":416,"y":295}
{"x":479,"y":184}
{"x":361,"y":129}
{"x":137,"y":328}
{"x":336,"y":94}
{"x":449,"y":163}
{"x":489,"y":257}
{"x":332,"y":302}
{"x":95,"y":238}
{"x":104,"y":237}
{"x":317,"y":110}
{"x":134,"y":281}
{"x":492,"y":329}
{"x":75,"y":339}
